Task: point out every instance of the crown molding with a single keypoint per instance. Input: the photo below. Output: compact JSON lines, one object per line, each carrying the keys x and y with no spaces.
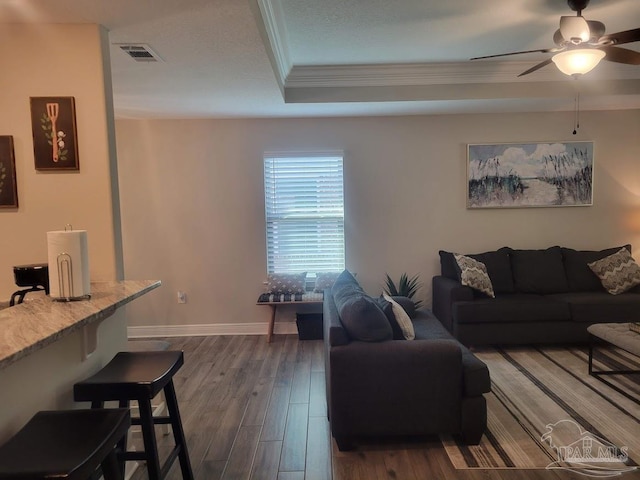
{"x":401,"y":74}
{"x":442,"y":81}
{"x":274,"y":29}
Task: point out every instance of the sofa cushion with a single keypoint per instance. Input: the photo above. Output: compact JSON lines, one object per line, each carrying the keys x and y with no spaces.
{"x":497,"y":263}
{"x":286,"y":283}
{"x":618,"y":272}
{"x":579,"y":276}
{"x":510,"y":308}
{"x":601,"y":307}
{"x":539,"y":271}
{"x":474,"y":274}
{"x":476,"y":374}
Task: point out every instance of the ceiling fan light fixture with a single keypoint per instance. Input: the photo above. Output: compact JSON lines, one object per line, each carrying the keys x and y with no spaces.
{"x":578,"y":61}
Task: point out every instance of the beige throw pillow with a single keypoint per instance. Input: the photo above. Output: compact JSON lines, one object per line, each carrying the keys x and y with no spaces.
{"x":474,"y":274}
{"x":618,"y":272}
{"x":402,"y":317}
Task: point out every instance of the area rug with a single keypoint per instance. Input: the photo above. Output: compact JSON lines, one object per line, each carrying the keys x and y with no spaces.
{"x":546,"y":411}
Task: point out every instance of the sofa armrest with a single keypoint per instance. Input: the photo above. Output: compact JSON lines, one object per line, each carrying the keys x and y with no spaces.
{"x":445,"y":292}
{"x":395,"y":385}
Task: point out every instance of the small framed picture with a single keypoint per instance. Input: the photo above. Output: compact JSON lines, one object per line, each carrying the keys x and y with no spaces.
{"x":8,"y":185}
{"x":55,"y":142}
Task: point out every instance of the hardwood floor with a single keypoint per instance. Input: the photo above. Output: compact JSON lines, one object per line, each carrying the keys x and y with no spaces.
{"x":253,"y":410}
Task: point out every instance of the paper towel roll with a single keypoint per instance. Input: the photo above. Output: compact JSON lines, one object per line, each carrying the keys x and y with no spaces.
{"x":68,"y":264}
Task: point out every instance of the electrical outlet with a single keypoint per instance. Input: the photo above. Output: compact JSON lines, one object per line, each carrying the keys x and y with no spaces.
{"x":182,"y":297}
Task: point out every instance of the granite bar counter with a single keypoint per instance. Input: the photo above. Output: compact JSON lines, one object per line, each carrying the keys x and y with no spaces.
{"x":33,"y":325}
{"x":46,"y":346}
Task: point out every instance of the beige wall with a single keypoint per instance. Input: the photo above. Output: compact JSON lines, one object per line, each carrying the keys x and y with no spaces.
{"x":58,"y":60}
{"x":193,"y":213}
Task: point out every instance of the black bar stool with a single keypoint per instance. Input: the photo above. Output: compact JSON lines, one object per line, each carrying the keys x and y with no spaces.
{"x":140,"y":376}
{"x":66,"y":444}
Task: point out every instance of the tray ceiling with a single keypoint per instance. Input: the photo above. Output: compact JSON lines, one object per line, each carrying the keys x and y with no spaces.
{"x":289,"y":58}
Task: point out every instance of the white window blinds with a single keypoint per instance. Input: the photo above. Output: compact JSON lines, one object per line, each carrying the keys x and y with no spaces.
{"x":304,"y":206}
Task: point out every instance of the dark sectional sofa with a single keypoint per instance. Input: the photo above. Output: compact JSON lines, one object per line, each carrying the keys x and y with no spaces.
{"x":541,"y":296}
{"x":377,"y":385}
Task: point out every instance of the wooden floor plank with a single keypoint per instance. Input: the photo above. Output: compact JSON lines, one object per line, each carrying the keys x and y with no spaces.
{"x":223,"y":437}
{"x":276,"y":417}
{"x":317,"y":395}
{"x":242,"y":454}
{"x":267,"y":460}
{"x":295,"y":438}
{"x":300,"y":382}
{"x":291,"y":476}
{"x":318,"y":464}
{"x":257,"y":405}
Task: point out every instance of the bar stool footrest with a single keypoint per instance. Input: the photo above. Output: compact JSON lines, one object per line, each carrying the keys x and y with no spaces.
{"x":156,"y":420}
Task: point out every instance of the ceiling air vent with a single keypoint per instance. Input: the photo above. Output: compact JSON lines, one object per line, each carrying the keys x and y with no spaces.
{"x":140,"y":52}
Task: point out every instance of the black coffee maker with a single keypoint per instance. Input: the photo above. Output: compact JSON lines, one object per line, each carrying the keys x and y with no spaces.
{"x":35,"y":276}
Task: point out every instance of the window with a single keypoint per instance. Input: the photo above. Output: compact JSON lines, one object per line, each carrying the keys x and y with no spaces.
{"x":304,"y":207}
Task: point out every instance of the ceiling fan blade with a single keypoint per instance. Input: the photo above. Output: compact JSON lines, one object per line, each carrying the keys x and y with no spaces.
{"x":619,"y":38}
{"x":545,"y":50}
{"x":621,"y":55}
{"x":536,"y":67}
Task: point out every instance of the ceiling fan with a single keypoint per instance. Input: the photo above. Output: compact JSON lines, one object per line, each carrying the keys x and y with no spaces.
{"x":581,"y":44}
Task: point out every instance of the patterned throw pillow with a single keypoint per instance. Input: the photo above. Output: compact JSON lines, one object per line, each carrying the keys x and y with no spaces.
{"x":288,"y":283}
{"x":618,"y":272}
{"x":402,"y":318}
{"x":325,"y":280}
{"x":474,"y":274}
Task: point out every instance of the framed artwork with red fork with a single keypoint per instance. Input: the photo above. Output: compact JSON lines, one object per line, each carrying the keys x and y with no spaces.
{"x":55,"y":141}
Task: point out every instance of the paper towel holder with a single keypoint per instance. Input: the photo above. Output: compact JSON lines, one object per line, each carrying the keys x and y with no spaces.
{"x":65,"y":282}
{"x":65,"y":264}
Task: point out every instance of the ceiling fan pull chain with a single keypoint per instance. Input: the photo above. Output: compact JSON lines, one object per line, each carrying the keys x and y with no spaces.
{"x":576,"y":108}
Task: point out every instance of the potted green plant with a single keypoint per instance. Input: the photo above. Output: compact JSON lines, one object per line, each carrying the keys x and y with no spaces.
{"x":406,"y":287}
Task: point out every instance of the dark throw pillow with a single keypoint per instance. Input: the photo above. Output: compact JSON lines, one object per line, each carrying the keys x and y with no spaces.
{"x":363,"y":319}
{"x":360,"y":314}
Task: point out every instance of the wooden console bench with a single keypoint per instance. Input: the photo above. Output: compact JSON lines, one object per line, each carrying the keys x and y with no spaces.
{"x":309,"y":298}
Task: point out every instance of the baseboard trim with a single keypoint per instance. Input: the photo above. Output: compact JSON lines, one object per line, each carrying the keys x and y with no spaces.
{"x":209,"y":330}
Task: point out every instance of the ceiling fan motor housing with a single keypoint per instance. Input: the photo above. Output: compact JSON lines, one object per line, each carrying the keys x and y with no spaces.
{"x":578,"y":5}
{"x":574,"y":29}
